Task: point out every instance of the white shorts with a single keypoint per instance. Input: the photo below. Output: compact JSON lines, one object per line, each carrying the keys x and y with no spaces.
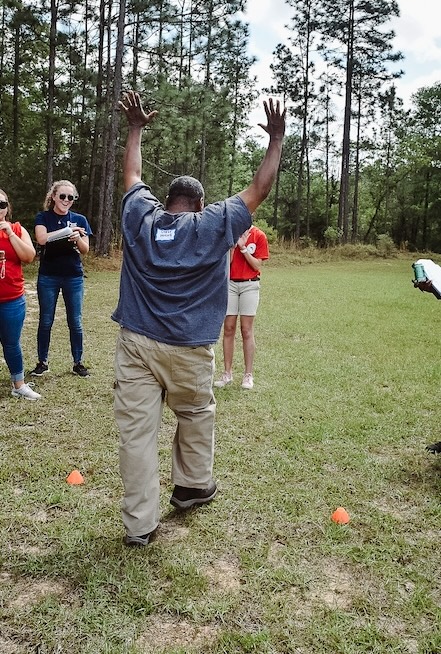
{"x":243,"y":298}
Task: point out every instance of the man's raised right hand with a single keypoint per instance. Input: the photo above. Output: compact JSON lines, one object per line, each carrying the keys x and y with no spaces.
{"x":135,"y":114}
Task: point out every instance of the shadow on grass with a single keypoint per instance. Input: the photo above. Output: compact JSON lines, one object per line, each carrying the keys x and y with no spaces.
{"x":85,"y":559}
{"x":420,"y":473}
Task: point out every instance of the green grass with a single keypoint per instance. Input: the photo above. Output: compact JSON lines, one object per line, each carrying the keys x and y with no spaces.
{"x":346,"y":397}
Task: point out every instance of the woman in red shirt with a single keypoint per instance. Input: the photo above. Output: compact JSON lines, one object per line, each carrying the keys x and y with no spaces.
{"x":15,"y":249}
{"x":243,"y":299}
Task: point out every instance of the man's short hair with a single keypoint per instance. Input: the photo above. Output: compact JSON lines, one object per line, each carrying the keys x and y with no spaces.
{"x":187,"y":186}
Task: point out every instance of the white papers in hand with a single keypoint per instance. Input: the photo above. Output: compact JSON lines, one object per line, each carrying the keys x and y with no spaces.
{"x":433,"y":273}
{"x":65,"y":232}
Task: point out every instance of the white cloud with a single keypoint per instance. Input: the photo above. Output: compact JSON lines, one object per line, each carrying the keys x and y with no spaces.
{"x":418,"y":37}
{"x":267,"y":20}
{"x":418,"y":30}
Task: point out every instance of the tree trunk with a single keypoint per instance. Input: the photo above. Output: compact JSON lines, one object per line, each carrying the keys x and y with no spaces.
{"x":354,"y":230}
{"x":103,"y":247}
{"x":202,"y":161}
{"x":99,"y":121}
{"x":343,"y":204}
{"x":426,"y":209}
{"x":50,"y":96}
{"x":234,"y":135}
{"x":16,"y":89}
{"x":276,"y":198}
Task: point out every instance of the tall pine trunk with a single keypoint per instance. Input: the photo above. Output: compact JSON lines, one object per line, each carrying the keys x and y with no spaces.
{"x":343,"y":203}
{"x":50,"y":96}
{"x":104,"y":243}
{"x":354,"y":229}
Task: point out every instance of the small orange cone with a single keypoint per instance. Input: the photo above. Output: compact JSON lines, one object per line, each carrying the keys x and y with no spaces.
{"x":75,"y":477}
{"x":340,"y":516}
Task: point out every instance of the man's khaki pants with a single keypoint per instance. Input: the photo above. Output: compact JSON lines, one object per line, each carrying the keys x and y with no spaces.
{"x":144,"y":370}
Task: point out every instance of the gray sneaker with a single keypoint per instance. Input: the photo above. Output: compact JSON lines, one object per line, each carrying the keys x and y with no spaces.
{"x":136,"y":541}
{"x":225,"y":379}
{"x":26,"y":392}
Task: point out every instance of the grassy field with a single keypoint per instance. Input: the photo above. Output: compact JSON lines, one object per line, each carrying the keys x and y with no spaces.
{"x":347,"y":392}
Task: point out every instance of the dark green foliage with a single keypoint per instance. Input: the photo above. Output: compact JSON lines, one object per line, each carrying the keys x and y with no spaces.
{"x":379,"y":173}
{"x":190,"y":64}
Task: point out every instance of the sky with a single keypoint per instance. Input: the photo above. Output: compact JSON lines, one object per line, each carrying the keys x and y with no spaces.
{"x":417,"y":37}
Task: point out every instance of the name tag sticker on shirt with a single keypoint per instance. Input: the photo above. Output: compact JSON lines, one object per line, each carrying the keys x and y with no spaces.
{"x":165,"y":235}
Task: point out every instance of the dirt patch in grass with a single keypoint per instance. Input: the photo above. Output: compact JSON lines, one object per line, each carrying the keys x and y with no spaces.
{"x":32,"y":592}
{"x":225,"y":575}
{"x":276,"y":551}
{"x":398,"y":629}
{"x":164,"y":632}
{"x":330,"y":584}
{"x":336,"y":586}
{"x":170,"y":532}
{"x":32,"y":550}
{"x":8,"y":646}
{"x":396,"y":508}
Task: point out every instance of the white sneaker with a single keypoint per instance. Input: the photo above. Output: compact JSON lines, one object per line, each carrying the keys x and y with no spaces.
{"x":226,"y":378}
{"x":26,"y":392}
{"x":247,"y":381}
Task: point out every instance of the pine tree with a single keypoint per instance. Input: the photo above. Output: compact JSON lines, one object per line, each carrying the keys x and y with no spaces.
{"x":362,"y":50}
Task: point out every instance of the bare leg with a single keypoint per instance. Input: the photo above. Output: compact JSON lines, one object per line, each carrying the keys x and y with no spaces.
{"x":228,"y":341}
{"x":248,"y":342}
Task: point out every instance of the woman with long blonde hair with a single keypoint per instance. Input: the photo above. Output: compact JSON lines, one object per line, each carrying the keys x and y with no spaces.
{"x":63,"y":236}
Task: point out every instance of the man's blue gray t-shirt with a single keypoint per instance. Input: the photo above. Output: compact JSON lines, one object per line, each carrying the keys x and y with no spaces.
{"x":175,"y":267}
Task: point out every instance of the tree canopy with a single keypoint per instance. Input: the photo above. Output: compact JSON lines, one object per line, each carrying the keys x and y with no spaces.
{"x":356,"y":165}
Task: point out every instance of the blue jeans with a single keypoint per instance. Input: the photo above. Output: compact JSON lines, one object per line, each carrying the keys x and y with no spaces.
{"x":12,"y":315}
{"x":48,"y":289}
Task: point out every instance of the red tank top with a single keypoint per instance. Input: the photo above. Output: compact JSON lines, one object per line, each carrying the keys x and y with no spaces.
{"x":11,"y":271}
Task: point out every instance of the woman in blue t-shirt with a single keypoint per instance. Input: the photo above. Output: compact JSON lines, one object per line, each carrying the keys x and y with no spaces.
{"x":63,"y":236}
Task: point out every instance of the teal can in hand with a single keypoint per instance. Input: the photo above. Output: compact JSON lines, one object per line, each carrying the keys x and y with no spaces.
{"x":420,"y":275}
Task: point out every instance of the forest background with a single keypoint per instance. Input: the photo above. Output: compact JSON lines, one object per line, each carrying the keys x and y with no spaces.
{"x":356,"y":167}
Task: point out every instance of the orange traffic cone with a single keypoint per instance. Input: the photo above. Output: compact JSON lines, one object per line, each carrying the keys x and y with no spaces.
{"x":75,"y":477}
{"x":340,"y":516}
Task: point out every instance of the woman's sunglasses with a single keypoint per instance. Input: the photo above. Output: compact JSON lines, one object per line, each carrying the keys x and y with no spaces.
{"x":3,"y":204}
{"x":71,"y":198}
